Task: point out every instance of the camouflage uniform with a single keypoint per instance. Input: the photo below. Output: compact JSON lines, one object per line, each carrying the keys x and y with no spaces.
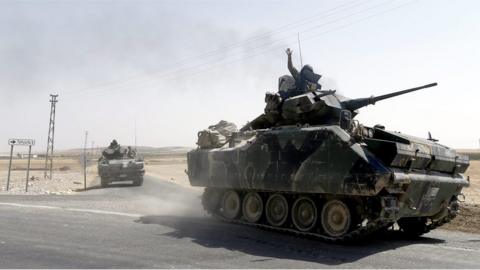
{"x":306,"y":79}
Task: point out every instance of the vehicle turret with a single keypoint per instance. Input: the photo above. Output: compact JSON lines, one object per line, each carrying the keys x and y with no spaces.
{"x":319,"y":107}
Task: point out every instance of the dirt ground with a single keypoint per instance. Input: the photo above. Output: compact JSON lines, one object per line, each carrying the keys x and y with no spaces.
{"x":472,"y":193}
{"x":468,"y":220}
{"x":168,"y":168}
{"x":68,"y":178}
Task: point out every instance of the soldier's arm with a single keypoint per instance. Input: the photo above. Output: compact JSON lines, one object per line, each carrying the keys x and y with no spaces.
{"x":291,"y":68}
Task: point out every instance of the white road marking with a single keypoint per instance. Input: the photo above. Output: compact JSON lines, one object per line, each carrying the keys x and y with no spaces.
{"x":459,"y":248}
{"x":114,"y":213}
{"x":92,"y":211}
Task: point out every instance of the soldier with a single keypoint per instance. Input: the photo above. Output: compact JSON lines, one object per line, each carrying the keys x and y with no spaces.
{"x":130,"y":152}
{"x":113,"y":144}
{"x":288,"y":86}
{"x":306,"y":79}
{"x":113,"y":150}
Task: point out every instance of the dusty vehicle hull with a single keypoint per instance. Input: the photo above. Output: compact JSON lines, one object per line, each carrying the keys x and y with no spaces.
{"x":120,"y":170}
{"x":320,"y":181}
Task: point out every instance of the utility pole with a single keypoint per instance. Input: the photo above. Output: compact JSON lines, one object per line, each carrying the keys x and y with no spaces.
{"x":85,"y":162}
{"x":51,"y":132}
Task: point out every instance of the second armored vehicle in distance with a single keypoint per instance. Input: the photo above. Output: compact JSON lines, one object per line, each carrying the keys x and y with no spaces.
{"x":118,"y":164}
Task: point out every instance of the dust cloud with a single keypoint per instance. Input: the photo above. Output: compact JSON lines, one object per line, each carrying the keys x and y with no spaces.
{"x":156,"y":197}
{"x":179,"y":203}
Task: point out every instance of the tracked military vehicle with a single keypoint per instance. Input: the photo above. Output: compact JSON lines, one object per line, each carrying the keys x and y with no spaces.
{"x":118,"y":164}
{"x":309,"y":168}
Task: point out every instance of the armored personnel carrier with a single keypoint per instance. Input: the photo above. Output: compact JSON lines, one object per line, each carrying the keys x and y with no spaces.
{"x":307,"y":167}
{"x":118,"y":165}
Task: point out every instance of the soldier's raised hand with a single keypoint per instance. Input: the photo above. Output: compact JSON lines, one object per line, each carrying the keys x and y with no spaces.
{"x":289,"y":51}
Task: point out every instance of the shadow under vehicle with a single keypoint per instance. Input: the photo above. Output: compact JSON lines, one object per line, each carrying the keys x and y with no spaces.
{"x":307,"y":167}
{"x":270,"y":246}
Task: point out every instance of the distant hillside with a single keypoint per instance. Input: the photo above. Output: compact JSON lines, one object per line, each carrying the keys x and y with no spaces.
{"x":143,"y":150}
{"x":474,"y":154}
{"x":167,"y":149}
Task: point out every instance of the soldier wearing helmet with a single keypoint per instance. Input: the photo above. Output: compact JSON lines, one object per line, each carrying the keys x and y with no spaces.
{"x":114,"y":144}
{"x":306,"y":79}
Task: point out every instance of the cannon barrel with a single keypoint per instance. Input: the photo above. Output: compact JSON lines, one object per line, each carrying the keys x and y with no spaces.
{"x":358,"y":103}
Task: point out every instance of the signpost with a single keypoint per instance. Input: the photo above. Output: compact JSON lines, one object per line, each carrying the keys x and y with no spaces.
{"x":24,"y":142}
{"x":28,"y":166}
{"x":9,"y":165}
{"x":21,"y":142}
{"x":85,"y":162}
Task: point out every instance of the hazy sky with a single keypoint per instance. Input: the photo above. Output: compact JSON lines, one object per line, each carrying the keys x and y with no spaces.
{"x":175,"y":67}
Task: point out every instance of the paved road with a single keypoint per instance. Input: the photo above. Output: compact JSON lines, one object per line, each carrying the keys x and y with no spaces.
{"x":161,"y":225}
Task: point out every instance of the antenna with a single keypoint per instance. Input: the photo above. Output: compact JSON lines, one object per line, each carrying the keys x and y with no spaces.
{"x":300,"y":49}
{"x":430,"y":138}
{"x":135,"y":134}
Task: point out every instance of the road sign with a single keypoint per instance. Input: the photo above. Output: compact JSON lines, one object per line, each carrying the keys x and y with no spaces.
{"x":21,"y":142}
{"x":27,"y":142}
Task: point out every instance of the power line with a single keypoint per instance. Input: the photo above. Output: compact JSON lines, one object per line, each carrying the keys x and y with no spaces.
{"x":284,"y":28}
{"x":307,"y":38}
{"x":328,"y":13}
{"x":237,"y":44}
{"x":195,"y":67}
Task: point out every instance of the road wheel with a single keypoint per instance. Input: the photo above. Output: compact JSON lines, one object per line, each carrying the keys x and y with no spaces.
{"x":231,"y":204}
{"x":104,"y":182}
{"x":138,"y":181}
{"x":336,"y":218}
{"x":304,"y":214}
{"x":413,"y":227}
{"x":252,"y":207}
{"x":277,"y":210}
